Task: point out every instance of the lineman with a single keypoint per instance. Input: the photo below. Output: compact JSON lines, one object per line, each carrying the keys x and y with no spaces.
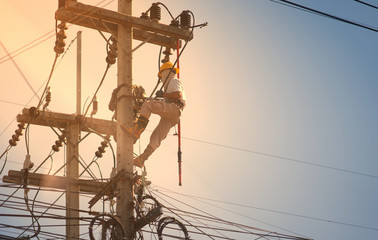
{"x":169,"y":109}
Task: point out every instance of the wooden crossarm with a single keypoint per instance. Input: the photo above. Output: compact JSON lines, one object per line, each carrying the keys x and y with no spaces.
{"x":50,"y":181}
{"x":90,"y":22}
{"x":135,"y":22}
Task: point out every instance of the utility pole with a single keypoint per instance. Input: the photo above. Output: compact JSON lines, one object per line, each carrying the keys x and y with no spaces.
{"x":72,"y":189}
{"x":124,"y":28}
{"x":124,"y":116}
{"x":78,"y":73}
{"x":73,"y":137}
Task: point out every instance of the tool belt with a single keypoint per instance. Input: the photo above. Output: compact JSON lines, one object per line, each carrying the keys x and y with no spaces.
{"x":180,"y":104}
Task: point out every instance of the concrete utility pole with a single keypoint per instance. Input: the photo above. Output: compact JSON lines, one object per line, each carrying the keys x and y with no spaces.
{"x":78,"y":74}
{"x":72,"y":189}
{"x":124,"y":116}
{"x":73,"y":137}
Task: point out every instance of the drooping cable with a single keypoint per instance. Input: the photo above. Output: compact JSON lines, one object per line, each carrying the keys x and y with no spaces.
{"x":39,"y":87}
{"x":245,"y":228}
{"x":98,"y":88}
{"x":187,"y":221}
{"x":25,"y":173}
{"x":39,"y":188}
{"x":6,"y":158}
{"x":158,"y":81}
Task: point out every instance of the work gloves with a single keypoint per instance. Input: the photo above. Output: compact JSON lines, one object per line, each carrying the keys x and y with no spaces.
{"x":159,"y":94}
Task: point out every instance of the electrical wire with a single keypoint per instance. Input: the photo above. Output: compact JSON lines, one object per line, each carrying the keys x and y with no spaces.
{"x":98,"y":88}
{"x":21,"y":50}
{"x":27,"y":138}
{"x":95,"y":94}
{"x":38,"y":89}
{"x":48,"y":35}
{"x":32,"y":214}
{"x":169,"y":12}
{"x":41,"y":215}
{"x":235,"y":225}
{"x":27,"y":141}
{"x":283,"y":158}
{"x":367,"y":4}
{"x":317,"y":12}
{"x":19,"y":104}
{"x":19,"y":70}
{"x":208,"y":217}
{"x":36,"y":194}
{"x":186,"y":221}
{"x":6,"y":158}
{"x":183,"y":48}
{"x":158,"y":81}
{"x":107,"y":139}
{"x":56,"y":56}
{"x":206,"y":200}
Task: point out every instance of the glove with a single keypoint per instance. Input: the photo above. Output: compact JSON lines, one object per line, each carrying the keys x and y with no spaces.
{"x":159,"y":94}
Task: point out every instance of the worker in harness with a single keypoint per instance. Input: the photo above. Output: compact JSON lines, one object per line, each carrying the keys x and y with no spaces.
{"x":168,"y":104}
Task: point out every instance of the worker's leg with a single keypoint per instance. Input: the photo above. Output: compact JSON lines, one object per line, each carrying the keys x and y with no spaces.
{"x":140,"y":125}
{"x":169,"y":118}
{"x":139,"y":161}
{"x":156,"y":107}
{"x":159,"y":134}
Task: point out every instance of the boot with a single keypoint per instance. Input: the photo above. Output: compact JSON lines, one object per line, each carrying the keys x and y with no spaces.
{"x":139,"y":161}
{"x":138,"y":127}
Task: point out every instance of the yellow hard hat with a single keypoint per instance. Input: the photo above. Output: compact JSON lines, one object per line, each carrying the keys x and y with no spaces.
{"x":167,"y":65}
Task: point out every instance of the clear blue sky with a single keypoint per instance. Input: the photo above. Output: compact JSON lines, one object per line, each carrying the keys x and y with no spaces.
{"x":281,"y":117}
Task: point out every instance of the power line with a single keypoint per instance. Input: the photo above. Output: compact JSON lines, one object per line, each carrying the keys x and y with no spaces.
{"x":14,"y":103}
{"x":48,"y":35}
{"x":19,"y":70}
{"x":317,"y":12}
{"x":367,"y":4}
{"x":283,"y":158}
{"x":270,"y":210}
{"x":16,"y":52}
{"x":208,"y":217}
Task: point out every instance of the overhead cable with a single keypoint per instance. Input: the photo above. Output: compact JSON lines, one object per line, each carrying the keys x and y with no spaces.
{"x":284,"y":158}
{"x":311,"y":10}
{"x":232,"y":224}
{"x":48,"y":35}
{"x":367,"y":4}
{"x":268,"y":210}
{"x":19,"y":70}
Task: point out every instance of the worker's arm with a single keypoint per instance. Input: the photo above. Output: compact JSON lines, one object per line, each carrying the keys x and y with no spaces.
{"x":173,"y":95}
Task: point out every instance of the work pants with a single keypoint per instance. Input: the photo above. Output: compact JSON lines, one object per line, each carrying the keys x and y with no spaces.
{"x":169,"y":117}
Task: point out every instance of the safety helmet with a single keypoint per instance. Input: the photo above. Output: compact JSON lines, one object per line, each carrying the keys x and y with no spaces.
{"x":167,"y":65}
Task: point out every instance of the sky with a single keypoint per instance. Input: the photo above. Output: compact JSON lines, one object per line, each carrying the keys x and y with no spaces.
{"x":280,"y":129}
